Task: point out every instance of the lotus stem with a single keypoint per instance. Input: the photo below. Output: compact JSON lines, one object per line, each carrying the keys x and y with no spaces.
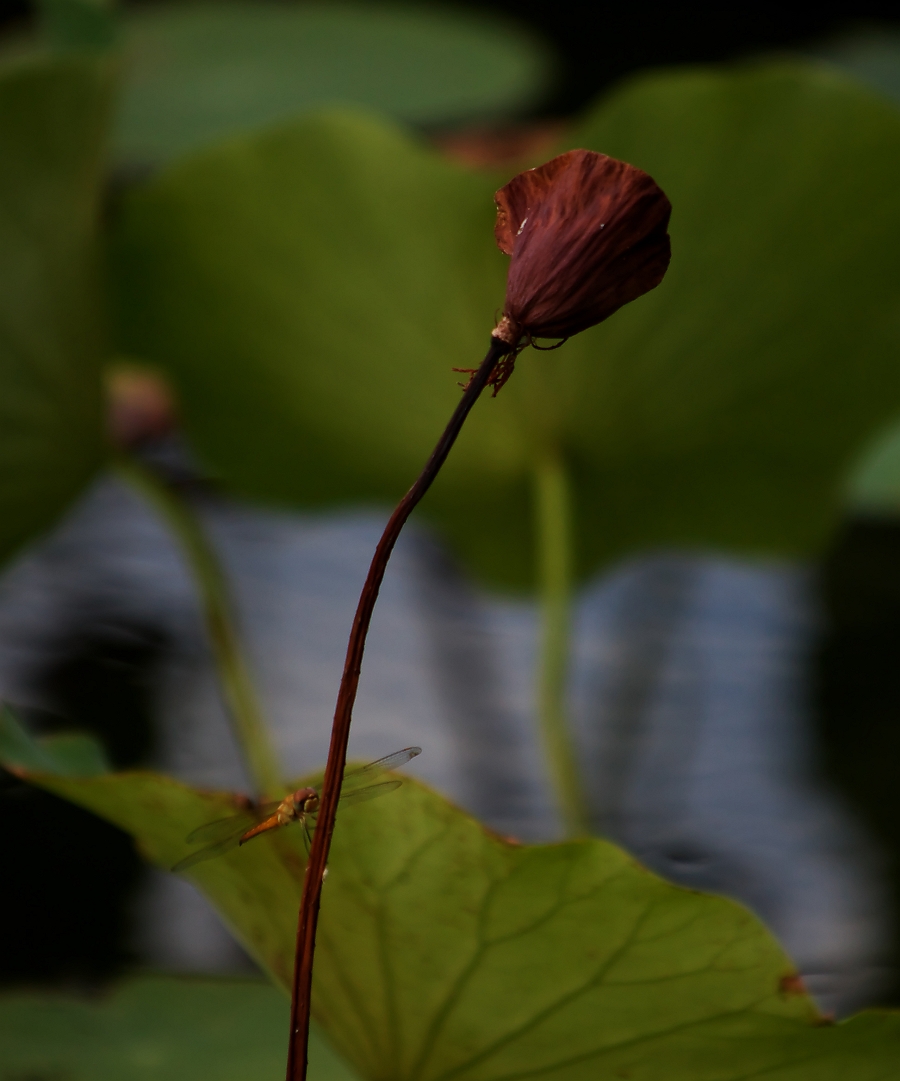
{"x":243,"y":706}
{"x":553,"y":512}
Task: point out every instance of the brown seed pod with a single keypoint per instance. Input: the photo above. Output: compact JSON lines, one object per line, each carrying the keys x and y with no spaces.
{"x":586,"y":234}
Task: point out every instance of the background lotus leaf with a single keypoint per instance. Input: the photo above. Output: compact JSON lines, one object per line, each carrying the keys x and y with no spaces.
{"x":53,"y":116}
{"x":155,"y":1028}
{"x":751,"y":377}
{"x":445,"y":951}
{"x":873,"y":486}
{"x":310,"y":288}
{"x":870,"y":54}
{"x":195,"y":72}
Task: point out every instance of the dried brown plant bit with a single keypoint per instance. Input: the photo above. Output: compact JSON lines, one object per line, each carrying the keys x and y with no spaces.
{"x":470,"y":372}
{"x":586,"y":234}
{"x":140,"y":404}
{"x":792,"y":984}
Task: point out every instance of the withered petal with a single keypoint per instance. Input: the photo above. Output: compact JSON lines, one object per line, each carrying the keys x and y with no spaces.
{"x":586,"y":234}
{"x":526,"y":189}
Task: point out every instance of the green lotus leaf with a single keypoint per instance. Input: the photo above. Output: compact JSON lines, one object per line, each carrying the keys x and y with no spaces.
{"x":197,"y":71}
{"x":445,"y":951}
{"x":753,"y":375}
{"x":870,"y":54}
{"x":53,"y":117}
{"x":155,"y":1028}
{"x":310,"y":288}
{"x":69,"y":754}
{"x":873,"y":486}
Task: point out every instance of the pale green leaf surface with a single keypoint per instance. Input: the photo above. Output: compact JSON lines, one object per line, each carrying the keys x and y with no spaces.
{"x":69,"y":754}
{"x":445,"y":951}
{"x":195,"y":72}
{"x":869,"y":54}
{"x":52,"y":121}
{"x":18,"y":751}
{"x":77,"y":754}
{"x":873,"y":487}
{"x":310,"y":288}
{"x":155,"y":1029}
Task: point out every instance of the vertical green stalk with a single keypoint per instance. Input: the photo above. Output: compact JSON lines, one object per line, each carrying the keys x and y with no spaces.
{"x":245,"y":711}
{"x":554,"y":547}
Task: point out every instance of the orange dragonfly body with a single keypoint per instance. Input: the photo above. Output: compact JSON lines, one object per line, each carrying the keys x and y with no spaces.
{"x":225,"y":834}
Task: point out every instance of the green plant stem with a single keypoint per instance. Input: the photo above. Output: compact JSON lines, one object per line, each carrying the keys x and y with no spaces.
{"x":244,"y":709}
{"x":554,"y":544}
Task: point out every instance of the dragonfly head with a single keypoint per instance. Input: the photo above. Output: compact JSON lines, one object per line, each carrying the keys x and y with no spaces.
{"x":305,"y":800}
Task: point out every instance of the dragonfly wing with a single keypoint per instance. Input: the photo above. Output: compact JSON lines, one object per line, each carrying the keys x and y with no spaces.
{"x":219,"y":830}
{"x":223,"y":828}
{"x":372,"y":791}
{"x":217,"y":848}
{"x":382,"y":765}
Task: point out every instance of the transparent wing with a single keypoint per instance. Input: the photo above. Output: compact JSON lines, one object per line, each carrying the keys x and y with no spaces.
{"x":222,"y":828}
{"x":372,"y":791}
{"x":218,"y":848}
{"x":358,"y":777}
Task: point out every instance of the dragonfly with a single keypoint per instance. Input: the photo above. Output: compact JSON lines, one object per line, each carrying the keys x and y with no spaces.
{"x":225,"y":834}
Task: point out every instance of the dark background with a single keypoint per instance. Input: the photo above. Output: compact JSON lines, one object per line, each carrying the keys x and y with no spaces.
{"x":599,"y":43}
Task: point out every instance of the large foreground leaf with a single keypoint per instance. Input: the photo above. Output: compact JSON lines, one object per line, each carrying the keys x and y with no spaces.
{"x":52,"y":122}
{"x":310,"y":288}
{"x":155,"y":1029}
{"x":447,"y":952}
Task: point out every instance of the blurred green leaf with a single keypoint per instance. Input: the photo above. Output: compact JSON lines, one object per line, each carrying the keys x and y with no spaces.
{"x":874,"y":484}
{"x":445,"y":951}
{"x":726,"y":407}
{"x":78,"y":25}
{"x":53,"y":116}
{"x":309,"y":290}
{"x":871,"y":55}
{"x":155,"y":1028}
{"x":198,"y":71}
{"x":69,"y":754}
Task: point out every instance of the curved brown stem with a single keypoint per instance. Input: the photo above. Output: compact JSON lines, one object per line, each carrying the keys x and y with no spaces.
{"x":340,"y":731}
